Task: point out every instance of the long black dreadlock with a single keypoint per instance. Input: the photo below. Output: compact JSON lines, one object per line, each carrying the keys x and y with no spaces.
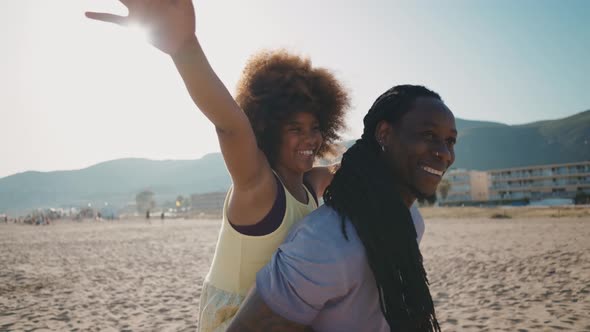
{"x":363,"y":191}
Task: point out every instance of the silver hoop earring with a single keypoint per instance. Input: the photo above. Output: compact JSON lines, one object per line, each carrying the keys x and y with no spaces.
{"x":383,"y":148}
{"x":436,"y":153}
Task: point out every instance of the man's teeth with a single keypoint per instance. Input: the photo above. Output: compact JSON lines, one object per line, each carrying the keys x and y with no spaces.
{"x":432,"y":171}
{"x":306,"y":152}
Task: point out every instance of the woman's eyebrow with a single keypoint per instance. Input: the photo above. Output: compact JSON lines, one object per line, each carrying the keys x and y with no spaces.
{"x":298,"y":123}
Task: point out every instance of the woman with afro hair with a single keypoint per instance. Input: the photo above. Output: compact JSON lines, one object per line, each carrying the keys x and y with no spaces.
{"x":285,"y":114}
{"x":295,"y":112}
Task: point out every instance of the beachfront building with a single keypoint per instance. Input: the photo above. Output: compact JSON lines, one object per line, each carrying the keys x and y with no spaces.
{"x":534,"y":183}
{"x":465,"y":186}
{"x":209,"y":203}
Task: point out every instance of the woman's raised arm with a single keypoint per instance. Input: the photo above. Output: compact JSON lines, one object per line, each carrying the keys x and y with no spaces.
{"x":171,"y":24}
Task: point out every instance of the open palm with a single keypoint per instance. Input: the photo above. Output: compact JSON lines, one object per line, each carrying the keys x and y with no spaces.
{"x":170,"y":22}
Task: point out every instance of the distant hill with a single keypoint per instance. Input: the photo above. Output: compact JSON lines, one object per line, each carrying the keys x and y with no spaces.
{"x":115,"y":182}
{"x":481,"y":146}
{"x":488,"y":146}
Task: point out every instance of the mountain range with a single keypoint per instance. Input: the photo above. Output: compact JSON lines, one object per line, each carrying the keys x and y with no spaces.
{"x":481,"y":146}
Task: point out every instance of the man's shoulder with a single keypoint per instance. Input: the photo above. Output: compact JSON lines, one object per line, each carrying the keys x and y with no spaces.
{"x":327,"y":228}
{"x":324,"y":222}
{"x":322,"y":218}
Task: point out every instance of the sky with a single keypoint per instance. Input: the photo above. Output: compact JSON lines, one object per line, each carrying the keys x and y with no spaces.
{"x":75,"y":92}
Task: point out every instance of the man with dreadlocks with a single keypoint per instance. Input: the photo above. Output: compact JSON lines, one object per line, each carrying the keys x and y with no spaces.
{"x":354,"y":263}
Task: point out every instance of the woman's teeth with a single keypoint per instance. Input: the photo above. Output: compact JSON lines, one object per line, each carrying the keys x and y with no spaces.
{"x":432,"y":171}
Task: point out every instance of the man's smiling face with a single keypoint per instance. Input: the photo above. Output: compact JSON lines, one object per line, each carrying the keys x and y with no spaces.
{"x":420,"y":147}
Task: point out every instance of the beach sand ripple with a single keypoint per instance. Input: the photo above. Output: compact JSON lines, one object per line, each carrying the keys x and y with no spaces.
{"x":510,"y":275}
{"x":485,"y":274}
{"x":104,"y":276}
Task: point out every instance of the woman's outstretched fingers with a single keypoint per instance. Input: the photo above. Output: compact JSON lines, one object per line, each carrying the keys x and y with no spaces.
{"x":106,"y":17}
{"x":171,"y":23}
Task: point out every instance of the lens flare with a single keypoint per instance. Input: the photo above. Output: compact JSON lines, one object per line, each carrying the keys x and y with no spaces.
{"x":138,"y":31}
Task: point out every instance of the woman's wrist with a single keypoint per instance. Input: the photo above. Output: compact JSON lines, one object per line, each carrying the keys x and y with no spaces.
{"x":190,"y":45}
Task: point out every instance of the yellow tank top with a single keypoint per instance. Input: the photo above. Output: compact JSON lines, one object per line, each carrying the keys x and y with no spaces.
{"x":237,"y":259}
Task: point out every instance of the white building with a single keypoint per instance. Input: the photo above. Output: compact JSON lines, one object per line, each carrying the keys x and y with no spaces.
{"x":465,"y":186}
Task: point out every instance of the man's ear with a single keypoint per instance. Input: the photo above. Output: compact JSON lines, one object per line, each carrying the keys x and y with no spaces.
{"x":383,"y":132}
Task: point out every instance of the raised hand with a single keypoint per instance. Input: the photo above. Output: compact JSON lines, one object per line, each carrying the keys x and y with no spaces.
{"x":170,"y":23}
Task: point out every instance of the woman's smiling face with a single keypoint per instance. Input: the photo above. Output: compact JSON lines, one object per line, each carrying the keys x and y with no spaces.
{"x":301,"y":139}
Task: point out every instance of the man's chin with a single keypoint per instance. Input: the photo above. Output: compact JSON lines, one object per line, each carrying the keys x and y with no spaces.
{"x":424,"y":195}
{"x":427,"y":199}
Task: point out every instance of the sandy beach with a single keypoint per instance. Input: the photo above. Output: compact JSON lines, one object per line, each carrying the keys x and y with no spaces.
{"x":519,"y":274}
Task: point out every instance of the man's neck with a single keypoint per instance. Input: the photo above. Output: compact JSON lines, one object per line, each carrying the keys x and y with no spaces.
{"x":407,"y":195}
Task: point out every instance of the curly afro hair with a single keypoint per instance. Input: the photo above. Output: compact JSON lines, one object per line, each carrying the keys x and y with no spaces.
{"x":276,"y":84}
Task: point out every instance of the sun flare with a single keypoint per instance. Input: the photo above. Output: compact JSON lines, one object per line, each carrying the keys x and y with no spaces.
{"x":138,"y":31}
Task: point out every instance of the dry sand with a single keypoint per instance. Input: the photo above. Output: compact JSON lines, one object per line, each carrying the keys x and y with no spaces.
{"x":510,"y":274}
{"x":486,"y":274}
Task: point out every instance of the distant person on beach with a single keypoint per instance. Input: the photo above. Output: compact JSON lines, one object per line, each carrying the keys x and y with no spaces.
{"x":354,"y":264}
